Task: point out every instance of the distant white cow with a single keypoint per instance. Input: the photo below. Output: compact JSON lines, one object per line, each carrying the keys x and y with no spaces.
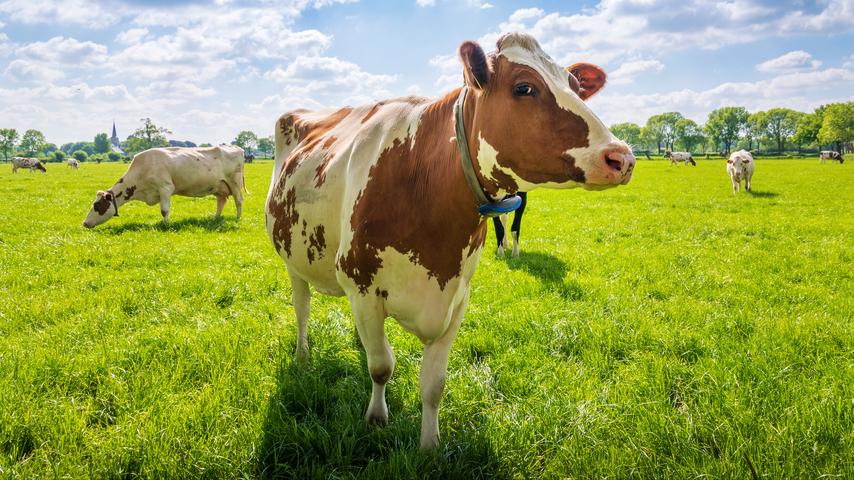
{"x":676,"y":157}
{"x":73,"y":163}
{"x":32,"y":164}
{"x":740,"y":166}
{"x":157,"y":174}
{"x":832,"y":156}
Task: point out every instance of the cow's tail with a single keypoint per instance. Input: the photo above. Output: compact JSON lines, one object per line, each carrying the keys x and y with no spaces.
{"x":286,"y":141}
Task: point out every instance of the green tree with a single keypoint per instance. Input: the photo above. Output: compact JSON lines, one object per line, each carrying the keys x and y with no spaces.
{"x":147,"y":136}
{"x":808,"y":126}
{"x":837,"y":127}
{"x":102,"y":143}
{"x":725,"y":124}
{"x":58,"y":156}
{"x":266,"y":145}
{"x":32,"y":143}
{"x":753,"y":129}
{"x":114,"y":156}
{"x":206,"y":145}
{"x":779,"y":124}
{"x":688,"y":134}
{"x":80,"y":155}
{"x":662,"y":128}
{"x":247,"y":141}
{"x":628,"y":132}
{"x":8,"y":141}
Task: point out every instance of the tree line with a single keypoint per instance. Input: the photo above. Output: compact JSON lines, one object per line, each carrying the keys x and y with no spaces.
{"x":730,"y":127}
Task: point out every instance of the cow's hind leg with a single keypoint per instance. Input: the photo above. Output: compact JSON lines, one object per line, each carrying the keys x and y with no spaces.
{"x":434,"y":366}
{"x":234,"y":187}
{"x":370,"y":323}
{"x":165,"y":202}
{"x":301,"y":298}
{"x":220,"y":204}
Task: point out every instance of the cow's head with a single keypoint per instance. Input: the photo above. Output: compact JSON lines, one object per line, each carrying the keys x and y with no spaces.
{"x":103,"y":208}
{"x":530,"y":125}
{"x":38,"y":166}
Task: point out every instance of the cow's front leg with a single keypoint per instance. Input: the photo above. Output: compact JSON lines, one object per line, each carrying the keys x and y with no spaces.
{"x":434,"y":366}
{"x":370,"y":323}
{"x":165,"y":203}
{"x":747,"y":183}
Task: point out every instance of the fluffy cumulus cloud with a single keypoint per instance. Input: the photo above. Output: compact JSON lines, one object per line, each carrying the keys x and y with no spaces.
{"x":792,"y":61}
{"x":628,"y":70}
{"x":319,"y":77}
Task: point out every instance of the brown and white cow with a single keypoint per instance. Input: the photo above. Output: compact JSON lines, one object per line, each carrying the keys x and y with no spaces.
{"x":32,"y":164}
{"x":740,"y":167}
{"x":678,"y":157}
{"x":832,"y":156}
{"x":372,"y":202}
{"x":72,"y":163}
{"x":156,"y":174}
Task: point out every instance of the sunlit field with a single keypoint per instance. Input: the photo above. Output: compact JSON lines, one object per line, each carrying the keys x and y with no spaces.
{"x":667,"y":328}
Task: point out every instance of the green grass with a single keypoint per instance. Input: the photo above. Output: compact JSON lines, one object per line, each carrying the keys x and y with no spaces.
{"x":664,"y":329}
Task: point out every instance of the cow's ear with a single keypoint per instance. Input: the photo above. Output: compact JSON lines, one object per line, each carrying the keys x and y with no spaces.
{"x":475,"y":67}
{"x":729,"y":161}
{"x":745,"y":161}
{"x":591,"y":78}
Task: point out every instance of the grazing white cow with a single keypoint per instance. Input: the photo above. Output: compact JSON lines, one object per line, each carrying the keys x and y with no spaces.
{"x":677,"y":157}
{"x":832,"y":156}
{"x":73,"y":163}
{"x":155,"y":175}
{"x":740,"y":167}
{"x":32,"y":164}
{"x":382,"y":203}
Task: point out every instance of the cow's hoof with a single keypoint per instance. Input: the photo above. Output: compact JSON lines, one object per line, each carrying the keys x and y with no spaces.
{"x":515,"y":253}
{"x":429,"y":443}
{"x":499,"y":252}
{"x":379,"y":418}
{"x":302,"y":355}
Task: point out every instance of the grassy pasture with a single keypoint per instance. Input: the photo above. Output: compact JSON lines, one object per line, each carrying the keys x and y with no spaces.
{"x":664,"y":329}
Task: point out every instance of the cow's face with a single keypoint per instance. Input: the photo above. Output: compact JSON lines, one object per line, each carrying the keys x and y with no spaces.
{"x":40,"y":167}
{"x":102,"y":210}
{"x":531,"y":126}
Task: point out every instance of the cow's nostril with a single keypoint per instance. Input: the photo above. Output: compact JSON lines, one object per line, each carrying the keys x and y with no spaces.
{"x":615,"y":161}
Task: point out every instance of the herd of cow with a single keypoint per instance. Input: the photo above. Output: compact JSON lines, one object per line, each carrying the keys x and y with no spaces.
{"x":384,"y":203}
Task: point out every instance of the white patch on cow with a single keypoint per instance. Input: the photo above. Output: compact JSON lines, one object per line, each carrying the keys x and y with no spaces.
{"x":487,"y":162}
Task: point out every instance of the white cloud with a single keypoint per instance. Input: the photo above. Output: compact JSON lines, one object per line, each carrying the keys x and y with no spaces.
{"x":793,"y":61}
{"x":90,"y":14}
{"x":132,"y":36}
{"x":425,"y":3}
{"x":316,"y":75}
{"x":628,"y":70}
{"x":64,"y":51}
{"x":25,"y":71}
{"x":849,"y":62}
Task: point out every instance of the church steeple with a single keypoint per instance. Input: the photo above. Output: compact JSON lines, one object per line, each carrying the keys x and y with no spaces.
{"x":115,"y":138}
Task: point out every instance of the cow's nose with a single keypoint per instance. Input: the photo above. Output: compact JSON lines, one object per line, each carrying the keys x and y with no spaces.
{"x":87,"y":225}
{"x":619,"y":158}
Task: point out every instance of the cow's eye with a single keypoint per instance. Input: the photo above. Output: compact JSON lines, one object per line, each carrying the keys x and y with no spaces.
{"x":524,"y":90}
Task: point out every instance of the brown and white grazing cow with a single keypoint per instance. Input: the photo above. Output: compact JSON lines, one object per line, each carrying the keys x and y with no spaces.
{"x":155,"y":175}
{"x":32,"y":164}
{"x":832,"y":156}
{"x":73,"y":163}
{"x":373,"y":202}
{"x":740,"y":167}
{"x":677,"y":157}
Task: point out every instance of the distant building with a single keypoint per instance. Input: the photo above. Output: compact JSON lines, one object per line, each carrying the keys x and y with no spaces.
{"x":115,"y":143}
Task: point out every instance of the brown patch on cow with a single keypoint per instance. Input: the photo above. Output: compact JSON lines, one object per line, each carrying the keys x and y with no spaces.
{"x":121,"y":180}
{"x":285,"y":216}
{"x":286,"y":126}
{"x":316,"y":243}
{"x":478,"y":238}
{"x":102,"y":205}
{"x":304,"y":227}
{"x":129,"y":192}
{"x":376,"y":108}
{"x":310,"y":135}
{"x":548,"y":130}
{"x":409,"y":173}
{"x":503,"y":181}
{"x":382,"y":293}
{"x":320,"y":172}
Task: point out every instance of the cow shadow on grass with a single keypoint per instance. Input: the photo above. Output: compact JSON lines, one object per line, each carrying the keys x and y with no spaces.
{"x":210,"y":224}
{"x":550,"y":270}
{"x":315,"y":428}
{"x":761,"y":194}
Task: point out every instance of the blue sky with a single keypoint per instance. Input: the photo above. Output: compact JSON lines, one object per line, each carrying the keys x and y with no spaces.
{"x":207,"y":70}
